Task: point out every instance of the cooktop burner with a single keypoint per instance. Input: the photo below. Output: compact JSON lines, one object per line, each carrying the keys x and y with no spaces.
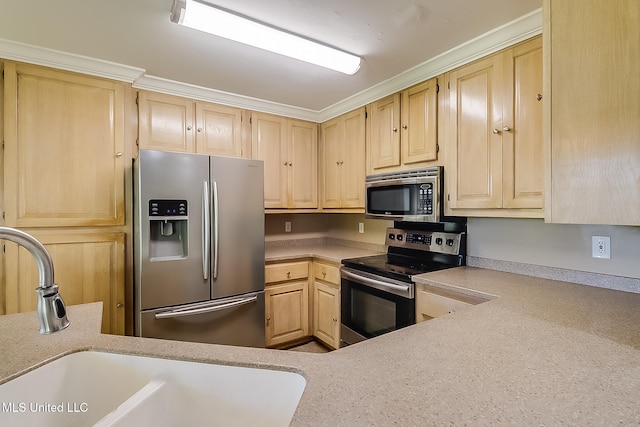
{"x":413,"y":252}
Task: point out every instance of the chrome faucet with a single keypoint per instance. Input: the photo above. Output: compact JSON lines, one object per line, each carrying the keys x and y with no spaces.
{"x":52,"y":312}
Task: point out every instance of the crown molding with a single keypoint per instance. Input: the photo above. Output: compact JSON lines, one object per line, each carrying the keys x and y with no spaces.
{"x":513,"y":32}
{"x":67,"y":61}
{"x":499,"y":38}
{"x":171,"y":87}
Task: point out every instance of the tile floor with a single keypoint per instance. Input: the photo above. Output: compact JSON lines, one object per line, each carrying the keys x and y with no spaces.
{"x":311,"y":347}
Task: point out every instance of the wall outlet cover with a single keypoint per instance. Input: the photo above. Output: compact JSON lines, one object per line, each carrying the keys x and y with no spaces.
{"x":601,"y":247}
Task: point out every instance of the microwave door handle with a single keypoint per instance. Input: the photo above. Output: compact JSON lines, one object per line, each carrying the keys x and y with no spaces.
{"x":216,"y":228}
{"x":206,"y":230}
{"x":210,"y":308}
{"x":375,"y":282}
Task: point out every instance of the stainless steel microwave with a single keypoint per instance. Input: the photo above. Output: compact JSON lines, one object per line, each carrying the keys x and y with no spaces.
{"x":412,"y":196}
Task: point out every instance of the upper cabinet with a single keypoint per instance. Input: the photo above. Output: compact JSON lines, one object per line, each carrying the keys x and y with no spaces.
{"x":592,"y":132}
{"x":342,"y":161}
{"x":179,"y":124}
{"x":403,"y":129}
{"x":494,"y":135}
{"x":64,"y":145}
{"x":288,"y":148}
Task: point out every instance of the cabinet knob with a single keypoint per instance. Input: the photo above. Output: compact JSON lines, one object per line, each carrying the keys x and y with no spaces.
{"x":496,"y":131}
{"x":506,"y":129}
{"x":288,"y":274}
{"x":286,"y":163}
{"x":334,"y":319}
{"x":199,"y":129}
{"x":539,"y":97}
{"x":119,"y":154}
{"x":119,"y":305}
{"x":395,"y":129}
{"x":404,"y":126}
{"x":268,"y":320}
{"x":324,"y":274}
{"x":189,"y":127}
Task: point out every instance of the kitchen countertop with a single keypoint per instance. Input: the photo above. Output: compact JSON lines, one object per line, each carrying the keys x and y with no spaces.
{"x":541,"y":352}
{"x":332,"y":252}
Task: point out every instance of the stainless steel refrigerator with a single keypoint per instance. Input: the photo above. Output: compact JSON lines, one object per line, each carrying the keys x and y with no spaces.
{"x":199,"y":248}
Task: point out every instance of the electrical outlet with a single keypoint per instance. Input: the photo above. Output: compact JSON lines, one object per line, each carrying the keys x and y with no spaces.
{"x":601,"y":247}
{"x":287,"y":227}
{"x":361,"y":227}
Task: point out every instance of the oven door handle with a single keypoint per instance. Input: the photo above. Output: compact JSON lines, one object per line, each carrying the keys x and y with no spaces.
{"x":378,"y":284}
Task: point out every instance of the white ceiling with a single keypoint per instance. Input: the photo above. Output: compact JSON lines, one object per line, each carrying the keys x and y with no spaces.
{"x":392,"y":36}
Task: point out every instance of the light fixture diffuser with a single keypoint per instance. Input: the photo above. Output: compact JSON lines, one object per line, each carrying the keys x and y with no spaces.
{"x":205,"y":17}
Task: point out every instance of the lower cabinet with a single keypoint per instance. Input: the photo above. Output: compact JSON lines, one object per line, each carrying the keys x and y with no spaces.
{"x":434,"y":302}
{"x":326,"y":303}
{"x":286,"y":302}
{"x":89,"y":267}
{"x":302,"y":299}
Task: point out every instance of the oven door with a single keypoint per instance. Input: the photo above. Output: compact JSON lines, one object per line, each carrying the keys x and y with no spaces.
{"x":373,"y":305}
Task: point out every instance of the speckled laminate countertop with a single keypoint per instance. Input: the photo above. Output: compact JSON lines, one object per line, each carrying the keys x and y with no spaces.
{"x":542,"y":353}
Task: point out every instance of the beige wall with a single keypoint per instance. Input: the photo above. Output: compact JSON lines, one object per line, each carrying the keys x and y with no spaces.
{"x":528,"y":241}
{"x":555,"y":245}
{"x":337,"y":226}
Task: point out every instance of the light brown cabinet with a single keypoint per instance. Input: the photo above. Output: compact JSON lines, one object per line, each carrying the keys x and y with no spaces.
{"x":65,"y":151}
{"x":326,"y":303}
{"x":286,"y":302}
{"x":432,"y":302}
{"x":89,"y":267}
{"x":593,"y":118}
{"x":403,"y":129}
{"x":342,"y":161}
{"x":172,"y":123}
{"x":288,"y":148}
{"x":494,"y":135}
{"x":64,"y":145}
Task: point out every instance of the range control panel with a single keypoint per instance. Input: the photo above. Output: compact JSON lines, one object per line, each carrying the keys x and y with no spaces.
{"x":430,"y":241}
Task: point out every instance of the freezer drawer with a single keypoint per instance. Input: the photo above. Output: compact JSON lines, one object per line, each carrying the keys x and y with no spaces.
{"x":235,"y":320}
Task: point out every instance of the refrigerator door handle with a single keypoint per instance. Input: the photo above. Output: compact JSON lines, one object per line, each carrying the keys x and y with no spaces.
{"x":206,"y":230}
{"x":209,"y":308}
{"x":216,"y":224}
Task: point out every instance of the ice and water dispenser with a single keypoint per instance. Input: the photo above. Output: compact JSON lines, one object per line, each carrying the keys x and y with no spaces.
{"x":168,"y":230}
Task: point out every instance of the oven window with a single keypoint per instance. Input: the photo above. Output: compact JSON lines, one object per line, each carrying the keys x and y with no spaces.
{"x":372,"y":315}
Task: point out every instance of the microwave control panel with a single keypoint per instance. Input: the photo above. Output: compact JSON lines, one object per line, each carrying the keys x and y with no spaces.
{"x":425,"y":199}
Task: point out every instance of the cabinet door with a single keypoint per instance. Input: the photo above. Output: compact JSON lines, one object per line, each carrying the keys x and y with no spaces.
{"x":476,"y":100}
{"x":218,"y":130}
{"x":64,"y":143}
{"x":268,"y":145}
{"x":286,"y":312}
{"x":352,"y":162}
{"x":331,"y":146}
{"x":326,"y":313}
{"x":522,"y":141}
{"x":89,"y":267}
{"x":165,"y":122}
{"x":593,"y":89}
{"x":384,"y":136}
{"x":303,"y":164}
{"x":419,"y":133}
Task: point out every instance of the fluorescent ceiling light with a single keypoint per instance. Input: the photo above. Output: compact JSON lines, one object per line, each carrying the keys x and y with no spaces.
{"x":205,"y":17}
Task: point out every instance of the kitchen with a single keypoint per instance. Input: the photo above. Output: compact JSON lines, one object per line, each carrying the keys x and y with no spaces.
{"x":514,"y":243}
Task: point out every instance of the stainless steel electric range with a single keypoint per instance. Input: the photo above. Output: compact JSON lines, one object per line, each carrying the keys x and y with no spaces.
{"x":377,"y":293}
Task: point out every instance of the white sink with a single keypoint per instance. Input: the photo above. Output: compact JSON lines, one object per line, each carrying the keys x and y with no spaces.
{"x":106,"y":389}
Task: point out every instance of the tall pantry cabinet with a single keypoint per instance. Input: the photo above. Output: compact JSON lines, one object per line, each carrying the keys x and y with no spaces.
{"x":64,"y":183}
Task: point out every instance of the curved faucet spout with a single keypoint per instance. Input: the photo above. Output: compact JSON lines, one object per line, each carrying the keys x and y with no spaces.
{"x":52,"y":312}
{"x":37,"y":250}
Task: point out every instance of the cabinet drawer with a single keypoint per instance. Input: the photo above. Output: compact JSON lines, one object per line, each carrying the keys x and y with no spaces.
{"x":286,"y":271}
{"x":326,"y":272}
